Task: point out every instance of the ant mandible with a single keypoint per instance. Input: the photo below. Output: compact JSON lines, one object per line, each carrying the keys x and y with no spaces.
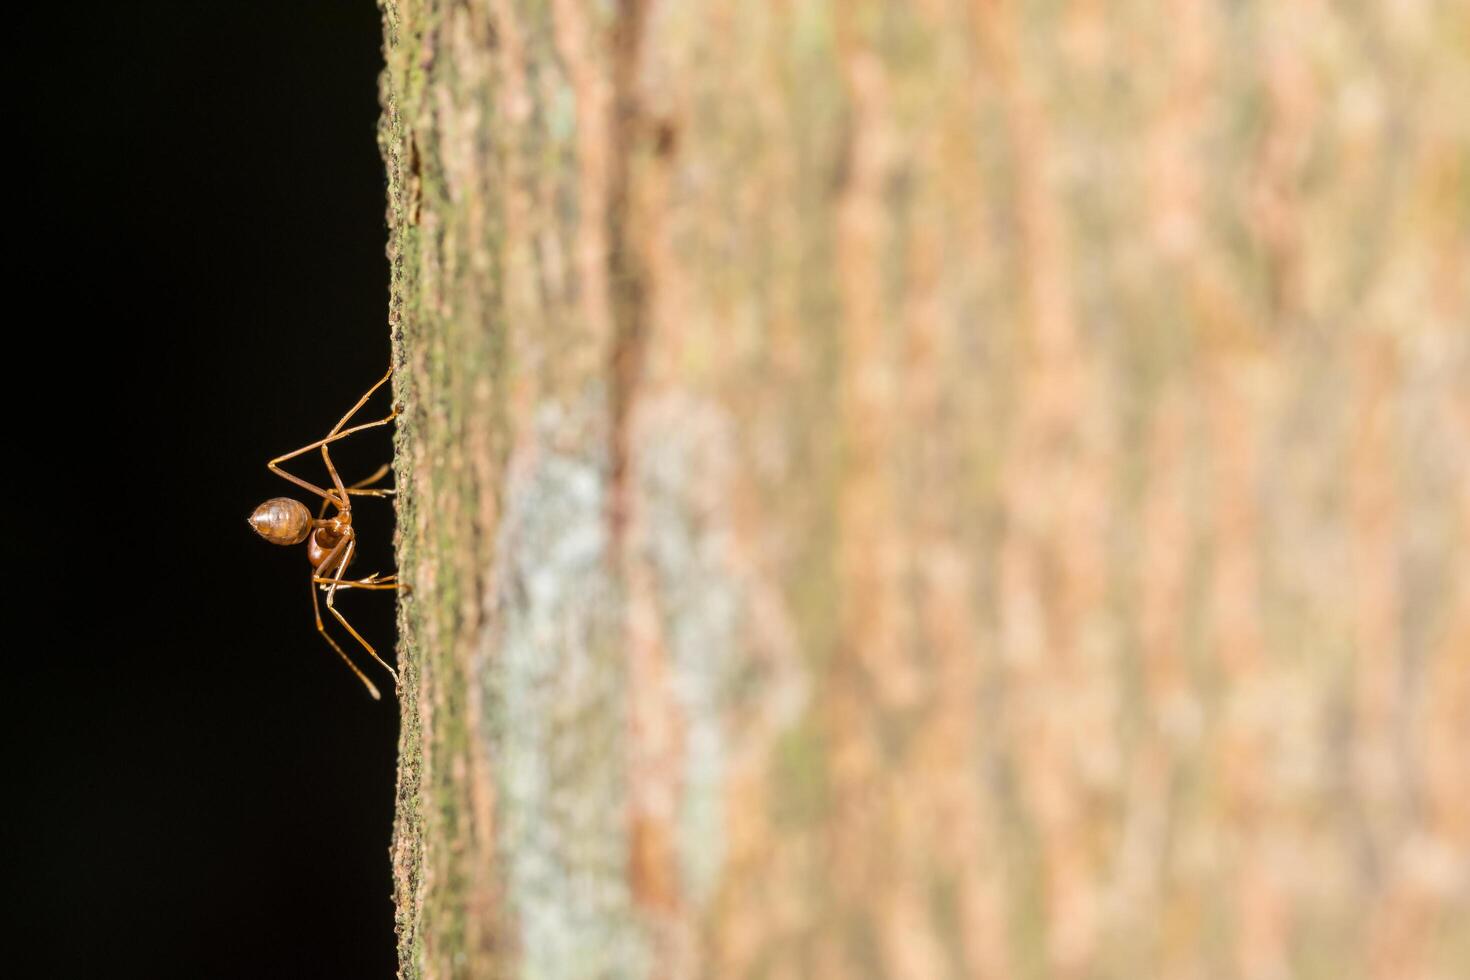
{"x":330,"y":541}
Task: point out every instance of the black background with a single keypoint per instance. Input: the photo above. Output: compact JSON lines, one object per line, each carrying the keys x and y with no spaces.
{"x":197,"y":283}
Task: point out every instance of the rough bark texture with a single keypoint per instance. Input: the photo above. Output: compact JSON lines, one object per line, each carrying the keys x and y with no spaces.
{"x":932,"y":490}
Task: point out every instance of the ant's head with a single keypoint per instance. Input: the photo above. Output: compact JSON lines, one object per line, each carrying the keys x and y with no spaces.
{"x":281,"y":520}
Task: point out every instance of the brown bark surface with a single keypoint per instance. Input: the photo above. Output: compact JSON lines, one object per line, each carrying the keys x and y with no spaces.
{"x":932,"y":490}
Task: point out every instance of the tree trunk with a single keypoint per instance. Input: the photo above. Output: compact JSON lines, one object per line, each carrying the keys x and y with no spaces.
{"x":932,"y":490}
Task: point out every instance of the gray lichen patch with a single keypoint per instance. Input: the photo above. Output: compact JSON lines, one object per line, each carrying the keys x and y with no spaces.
{"x":684,"y":540}
{"x":733,"y":678}
{"x":557,"y":712}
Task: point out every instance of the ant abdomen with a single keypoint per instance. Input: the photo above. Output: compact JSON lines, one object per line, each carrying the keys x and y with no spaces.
{"x":282,"y":520}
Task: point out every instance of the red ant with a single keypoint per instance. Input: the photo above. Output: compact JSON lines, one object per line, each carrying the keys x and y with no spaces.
{"x":330,"y":541}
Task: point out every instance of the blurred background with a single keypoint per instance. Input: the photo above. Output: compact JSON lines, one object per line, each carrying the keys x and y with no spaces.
{"x":205,"y":790}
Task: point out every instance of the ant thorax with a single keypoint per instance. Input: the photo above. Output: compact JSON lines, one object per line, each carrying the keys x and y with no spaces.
{"x":324,"y":541}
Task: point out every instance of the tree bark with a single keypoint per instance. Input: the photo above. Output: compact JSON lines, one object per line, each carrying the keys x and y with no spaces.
{"x":931,"y":490}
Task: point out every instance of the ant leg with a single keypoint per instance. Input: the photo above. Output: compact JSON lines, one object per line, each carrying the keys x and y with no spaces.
{"x":357,"y":487}
{"x":367,"y":583}
{"x":322,"y":629}
{"x":361,"y":402}
{"x":332,"y":607}
{"x":336,"y":480}
{"x":378,"y":474}
{"x":373,"y":581}
{"x":326,"y":457}
{"x":355,"y":490}
{"x":275,"y":468}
